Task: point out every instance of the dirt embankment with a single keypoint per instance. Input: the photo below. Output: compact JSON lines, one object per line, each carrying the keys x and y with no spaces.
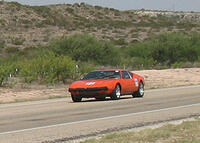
{"x":170,"y":77}
{"x":153,"y":79}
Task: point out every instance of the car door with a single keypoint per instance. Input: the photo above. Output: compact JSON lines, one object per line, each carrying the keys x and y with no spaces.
{"x":134,"y":88}
{"x":127,"y":82}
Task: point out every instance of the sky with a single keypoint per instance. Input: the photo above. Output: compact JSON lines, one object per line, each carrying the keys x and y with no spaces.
{"x":171,"y":5}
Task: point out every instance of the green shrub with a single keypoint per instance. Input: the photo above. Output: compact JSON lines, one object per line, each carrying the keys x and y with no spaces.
{"x":85,"y":48}
{"x":11,"y":50}
{"x":18,"y":41}
{"x":3,"y":75}
{"x":98,"y":7}
{"x":48,"y":68}
{"x":177,"y":64}
{"x":25,"y":21}
{"x":171,"y":49}
{"x":2,"y":45}
{"x":120,"y":42}
{"x":42,"y":10}
{"x":174,"y":47}
{"x":70,"y":10}
{"x":2,"y":22}
{"x":32,"y":52}
{"x":6,"y":70}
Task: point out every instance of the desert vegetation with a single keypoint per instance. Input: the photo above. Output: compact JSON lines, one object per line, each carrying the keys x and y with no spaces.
{"x":71,"y":57}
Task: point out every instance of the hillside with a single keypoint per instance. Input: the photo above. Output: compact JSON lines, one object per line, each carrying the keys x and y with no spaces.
{"x":25,"y":26}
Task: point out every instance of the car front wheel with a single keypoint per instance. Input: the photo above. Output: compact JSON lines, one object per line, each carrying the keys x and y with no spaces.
{"x":116,"y":93}
{"x":76,"y":98}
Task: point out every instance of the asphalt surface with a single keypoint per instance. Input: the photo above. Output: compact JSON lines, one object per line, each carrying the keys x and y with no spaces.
{"x":60,"y":120}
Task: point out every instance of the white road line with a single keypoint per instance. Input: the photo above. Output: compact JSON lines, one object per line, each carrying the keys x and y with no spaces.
{"x":65,"y":99}
{"x":174,"y":88}
{"x":98,"y":119}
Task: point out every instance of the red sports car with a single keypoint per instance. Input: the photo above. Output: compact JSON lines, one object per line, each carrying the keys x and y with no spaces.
{"x":107,"y":83}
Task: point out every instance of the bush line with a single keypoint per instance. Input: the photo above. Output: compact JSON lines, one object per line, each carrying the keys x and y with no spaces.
{"x":71,"y":57}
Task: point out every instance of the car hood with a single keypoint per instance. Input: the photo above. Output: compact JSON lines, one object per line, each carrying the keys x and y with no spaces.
{"x":92,"y":83}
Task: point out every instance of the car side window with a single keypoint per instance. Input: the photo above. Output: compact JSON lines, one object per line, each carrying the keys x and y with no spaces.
{"x":125,"y":75}
{"x":130,"y":73}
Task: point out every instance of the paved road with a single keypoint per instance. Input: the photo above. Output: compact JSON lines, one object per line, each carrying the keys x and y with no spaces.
{"x":57,"y":119}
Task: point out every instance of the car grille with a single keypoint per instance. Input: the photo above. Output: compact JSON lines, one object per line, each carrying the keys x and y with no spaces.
{"x":88,"y":89}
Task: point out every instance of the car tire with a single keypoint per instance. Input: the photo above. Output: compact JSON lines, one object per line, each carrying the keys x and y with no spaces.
{"x":140,"y":92}
{"x":116,"y":93}
{"x":76,"y":98}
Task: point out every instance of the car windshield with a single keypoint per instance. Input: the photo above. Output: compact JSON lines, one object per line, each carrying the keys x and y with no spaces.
{"x":102,"y":75}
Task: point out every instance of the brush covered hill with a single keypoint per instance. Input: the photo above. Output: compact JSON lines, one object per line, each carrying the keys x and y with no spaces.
{"x":25,"y":26}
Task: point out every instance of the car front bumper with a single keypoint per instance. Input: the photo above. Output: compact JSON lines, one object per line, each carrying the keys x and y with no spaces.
{"x":90,"y":92}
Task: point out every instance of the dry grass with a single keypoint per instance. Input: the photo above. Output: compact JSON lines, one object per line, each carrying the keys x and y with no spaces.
{"x":187,"y":132}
